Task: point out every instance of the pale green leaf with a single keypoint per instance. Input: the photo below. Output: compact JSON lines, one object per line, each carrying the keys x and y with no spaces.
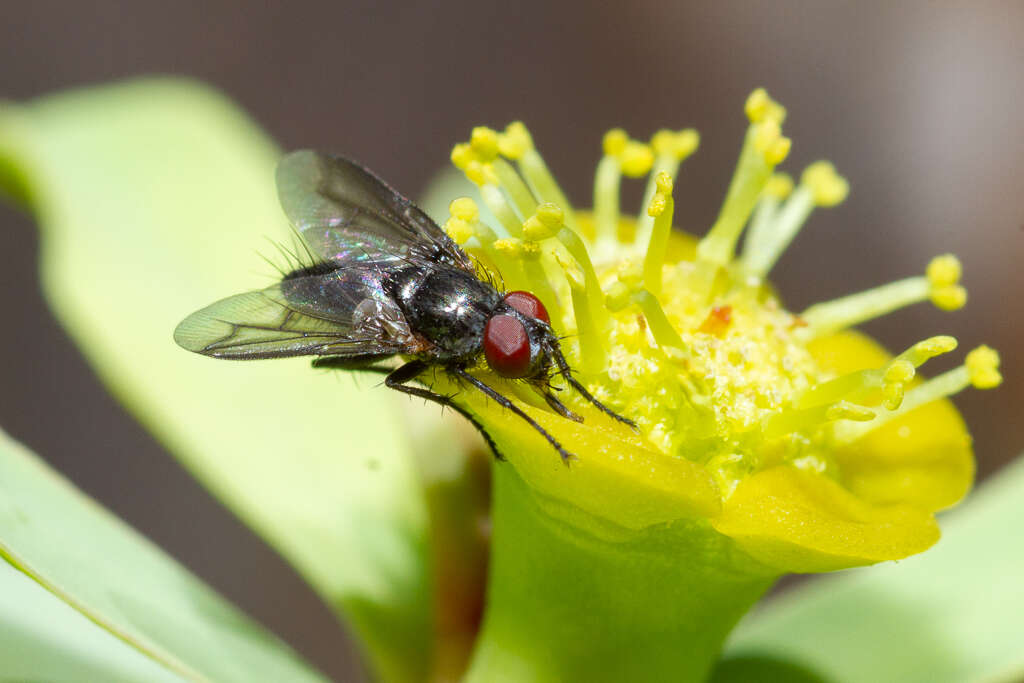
{"x":954,"y":613}
{"x":153,"y":198}
{"x":84,"y":597}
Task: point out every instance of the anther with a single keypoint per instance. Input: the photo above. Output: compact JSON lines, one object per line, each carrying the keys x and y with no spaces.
{"x":761,"y":107}
{"x":515,"y":141}
{"x":458,"y":229}
{"x":983,"y":368}
{"x":661,"y":209}
{"x":464,"y":208}
{"x":943,"y":275}
{"x":484,"y":142}
{"x":670,"y":149}
{"x":636,"y":158}
{"x":461,"y":155}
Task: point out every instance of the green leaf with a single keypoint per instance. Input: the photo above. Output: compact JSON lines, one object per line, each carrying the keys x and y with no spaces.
{"x":46,"y":639}
{"x":763,"y":669}
{"x":84,"y":597}
{"x":954,"y":613}
{"x":153,"y":197}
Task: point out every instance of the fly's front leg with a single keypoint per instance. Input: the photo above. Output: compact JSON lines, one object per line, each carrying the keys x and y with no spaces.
{"x":558,"y":406}
{"x":506,"y":403}
{"x":566,"y":371}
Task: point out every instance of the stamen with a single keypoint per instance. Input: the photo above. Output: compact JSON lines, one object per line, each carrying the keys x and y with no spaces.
{"x":671,"y":148}
{"x":607,"y":180}
{"x":621,"y":295}
{"x":517,"y":144}
{"x":593,"y":358}
{"x":820,"y":185}
{"x":486,"y":179}
{"x":763,"y":148}
{"x":789,"y":421}
{"x":662,"y":210}
{"x":513,"y":184}
{"x":537,"y":279}
{"x":529,"y":272}
{"x":980,"y":370}
{"x":474,"y":162}
{"x":484,"y":144}
{"x":549,"y":222}
{"x":507,"y":255}
{"x":892,"y":378}
{"x":940,"y":284}
{"x":778,"y":187}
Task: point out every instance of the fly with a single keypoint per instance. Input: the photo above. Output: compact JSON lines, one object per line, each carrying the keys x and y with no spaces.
{"x":385,"y":281}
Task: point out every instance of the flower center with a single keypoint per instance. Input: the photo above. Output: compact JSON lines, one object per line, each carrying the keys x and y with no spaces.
{"x":685,"y":337}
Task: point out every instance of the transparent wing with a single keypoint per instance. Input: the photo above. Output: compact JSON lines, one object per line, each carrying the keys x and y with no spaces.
{"x":346,"y":213}
{"x":341,"y":313}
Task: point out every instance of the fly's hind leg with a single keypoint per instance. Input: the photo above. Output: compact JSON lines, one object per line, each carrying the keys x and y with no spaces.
{"x":397,"y":379}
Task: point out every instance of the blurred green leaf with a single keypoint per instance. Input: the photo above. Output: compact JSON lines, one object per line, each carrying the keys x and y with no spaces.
{"x":763,"y":669}
{"x":84,"y":597}
{"x":153,"y":197}
{"x":954,"y":613}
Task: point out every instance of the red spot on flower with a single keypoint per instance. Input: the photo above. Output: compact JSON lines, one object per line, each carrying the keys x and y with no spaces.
{"x":718,"y":321}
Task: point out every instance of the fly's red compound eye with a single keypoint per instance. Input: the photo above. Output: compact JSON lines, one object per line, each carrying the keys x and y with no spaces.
{"x":528,"y":305}
{"x":507,"y":346}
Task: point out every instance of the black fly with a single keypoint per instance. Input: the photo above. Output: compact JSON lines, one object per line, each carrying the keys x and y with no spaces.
{"x":385,"y":281}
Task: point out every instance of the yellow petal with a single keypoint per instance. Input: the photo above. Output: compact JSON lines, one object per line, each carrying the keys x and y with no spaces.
{"x":804,"y":522}
{"x":617,"y":478}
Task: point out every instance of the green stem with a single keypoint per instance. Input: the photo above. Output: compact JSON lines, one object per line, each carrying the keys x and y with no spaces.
{"x":573,"y":599}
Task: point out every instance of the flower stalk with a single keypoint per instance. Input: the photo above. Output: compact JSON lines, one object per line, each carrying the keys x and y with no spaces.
{"x":574,"y":598}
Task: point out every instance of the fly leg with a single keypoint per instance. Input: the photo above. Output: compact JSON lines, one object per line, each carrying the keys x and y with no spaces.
{"x":506,"y":403}
{"x":563,"y":366}
{"x":397,"y":379}
{"x":558,"y":406}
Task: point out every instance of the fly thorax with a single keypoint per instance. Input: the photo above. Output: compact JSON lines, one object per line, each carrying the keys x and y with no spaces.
{"x":450,"y":308}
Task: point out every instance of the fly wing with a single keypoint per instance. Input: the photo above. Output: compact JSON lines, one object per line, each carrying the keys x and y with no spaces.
{"x":346,"y":213}
{"x":342,"y":313}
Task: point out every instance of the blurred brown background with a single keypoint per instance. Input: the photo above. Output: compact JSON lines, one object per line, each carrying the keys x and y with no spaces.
{"x":919,"y":105}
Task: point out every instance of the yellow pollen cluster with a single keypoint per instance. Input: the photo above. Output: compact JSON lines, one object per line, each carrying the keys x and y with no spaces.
{"x":684,"y":336}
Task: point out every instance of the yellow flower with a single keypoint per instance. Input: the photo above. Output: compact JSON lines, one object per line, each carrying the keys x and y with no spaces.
{"x":802,"y":441}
